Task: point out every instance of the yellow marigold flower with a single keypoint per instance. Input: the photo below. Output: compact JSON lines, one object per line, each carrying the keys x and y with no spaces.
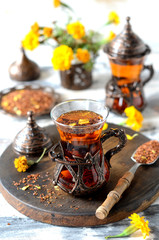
{"x":134,"y":119}
{"x":137,"y":223}
{"x":83,"y":55}
{"x":35,"y":27}
{"x":47,"y":31}
{"x":31,"y":41}
{"x":140,"y":223}
{"x":56,"y":3}
{"x":62,"y":57}
{"x":113,"y":17}
{"x":21,"y":164}
{"x":111,"y":36}
{"x":76,"y":29}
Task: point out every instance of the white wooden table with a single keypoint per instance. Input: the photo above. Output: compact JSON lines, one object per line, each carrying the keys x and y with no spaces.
{"x":14,"y":225}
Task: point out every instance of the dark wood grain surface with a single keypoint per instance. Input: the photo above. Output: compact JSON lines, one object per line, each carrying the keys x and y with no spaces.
{"x":65,"y":210}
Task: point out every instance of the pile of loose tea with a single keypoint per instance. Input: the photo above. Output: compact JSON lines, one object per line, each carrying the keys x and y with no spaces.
{"x":19,"y":102}
{"x":147,"y":152}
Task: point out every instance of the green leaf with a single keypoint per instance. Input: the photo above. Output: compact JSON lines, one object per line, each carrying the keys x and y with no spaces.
{"x":37,"y":161}
{"x":31,"y":162}
{"x":122,"y":123}
{"x":107,"y":23}
{"x":88,"y":66}
{"x":66,"y":6}
{"x":127,"y":232}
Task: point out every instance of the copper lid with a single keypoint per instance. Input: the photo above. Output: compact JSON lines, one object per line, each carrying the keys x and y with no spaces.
{"x":32,"y":139}
{"x":127,"y":44}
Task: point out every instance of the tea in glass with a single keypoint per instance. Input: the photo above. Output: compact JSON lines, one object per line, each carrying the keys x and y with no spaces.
{"x":82,"y":167}
{"x":77,"y":139}
{"x":127,"y":71}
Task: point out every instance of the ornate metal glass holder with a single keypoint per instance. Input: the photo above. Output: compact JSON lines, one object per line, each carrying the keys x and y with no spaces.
{"x":57,"y":155}
{"x":118,"y":98}
{"x":99,"y":167}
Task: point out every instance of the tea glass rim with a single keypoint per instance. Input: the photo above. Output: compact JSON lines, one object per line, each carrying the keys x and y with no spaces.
{"x":83,"y":126}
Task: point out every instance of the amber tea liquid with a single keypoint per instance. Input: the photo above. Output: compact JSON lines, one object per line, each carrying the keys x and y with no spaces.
{"x":125,"y":73}
{"x":80,"y":133}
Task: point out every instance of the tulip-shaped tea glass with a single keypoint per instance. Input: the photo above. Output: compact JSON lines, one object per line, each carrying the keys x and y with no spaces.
{"x":81,"y":165}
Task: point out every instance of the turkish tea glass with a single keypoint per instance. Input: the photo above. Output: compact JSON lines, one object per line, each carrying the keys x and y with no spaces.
{"x":82,"y":167}
{"x":128,"y":71}
{"x":128,"y":80}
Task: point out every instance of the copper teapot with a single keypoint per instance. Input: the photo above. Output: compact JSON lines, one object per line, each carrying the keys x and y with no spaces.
{"x":127,"y":53}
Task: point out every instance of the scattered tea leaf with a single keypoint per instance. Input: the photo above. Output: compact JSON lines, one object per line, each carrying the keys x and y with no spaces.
{"x":153,"y":151}
{"x":72,"y":124}
{"x":56,"y":188}
{"x":25,"y":187}
{"x":38,"y":187}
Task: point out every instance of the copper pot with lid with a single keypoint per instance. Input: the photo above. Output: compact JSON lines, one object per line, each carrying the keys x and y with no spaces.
{"x":127,"y":53}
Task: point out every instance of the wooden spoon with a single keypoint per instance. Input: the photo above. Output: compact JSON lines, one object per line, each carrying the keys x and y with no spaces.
{"x":114,"y":196}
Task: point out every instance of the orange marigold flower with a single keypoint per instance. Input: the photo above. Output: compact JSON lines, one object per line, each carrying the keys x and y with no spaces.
{"x":35,"y":27}
{"x":31,"y":41}
{"x":134,"y":119}
{"x":83,"y":55}
{"x":62,"y":57}
{"x":56,"y":3}
{"x":113,"y":17}
{"x":76,"y":29}
{"x":111,"y":36}
{"x":47,"y":31}
{"x":21,"y":164}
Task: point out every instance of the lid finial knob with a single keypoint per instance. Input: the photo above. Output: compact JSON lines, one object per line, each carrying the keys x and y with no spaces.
{"x":128,"y":20}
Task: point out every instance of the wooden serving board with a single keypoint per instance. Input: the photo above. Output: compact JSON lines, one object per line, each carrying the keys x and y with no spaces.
{"x":52,"y":205}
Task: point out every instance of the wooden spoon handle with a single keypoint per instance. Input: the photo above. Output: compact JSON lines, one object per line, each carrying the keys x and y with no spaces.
{"x":114,"y":196}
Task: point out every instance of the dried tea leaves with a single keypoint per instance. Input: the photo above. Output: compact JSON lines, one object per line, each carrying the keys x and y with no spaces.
{"x":147,"y":152}
{"x":19,"y":102}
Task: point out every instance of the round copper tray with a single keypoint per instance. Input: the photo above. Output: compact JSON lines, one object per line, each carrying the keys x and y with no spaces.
{"x":49,"y":90}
